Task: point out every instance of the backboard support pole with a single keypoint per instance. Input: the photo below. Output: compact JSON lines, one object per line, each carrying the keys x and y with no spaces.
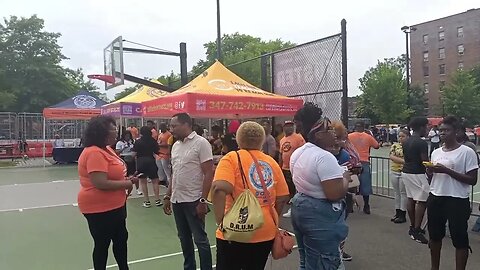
{"x":183,"y":63}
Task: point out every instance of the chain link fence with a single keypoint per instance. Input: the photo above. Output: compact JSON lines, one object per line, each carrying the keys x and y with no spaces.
{"x":312,"y":72}
{"x":29,"y":126}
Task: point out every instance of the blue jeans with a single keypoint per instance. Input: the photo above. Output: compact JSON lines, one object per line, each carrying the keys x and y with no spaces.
{"x":365,"y":180}
{"x":319,"y":227}
{"x":189,"y":224}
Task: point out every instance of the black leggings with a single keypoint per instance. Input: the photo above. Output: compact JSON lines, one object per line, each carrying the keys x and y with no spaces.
{"x":242,"y":256}
{"x":109,"y":227}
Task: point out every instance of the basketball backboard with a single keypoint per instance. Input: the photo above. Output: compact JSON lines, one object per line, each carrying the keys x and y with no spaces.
{"x":113,"y":63}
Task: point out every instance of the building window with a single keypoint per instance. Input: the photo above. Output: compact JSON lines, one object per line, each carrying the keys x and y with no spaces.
{"x":425,"y":88}
{"x":460,"y":32}
{"x":460,"y":65}
{"x":441,"y":35}
{"x":425,"y":56}
{"x":425,"y":39}
{"x":441,"y":69}
{"x":441,"y":85}
{"x":441,"y":53}
{"x":460,"y":49}
{"x":425,"y":71}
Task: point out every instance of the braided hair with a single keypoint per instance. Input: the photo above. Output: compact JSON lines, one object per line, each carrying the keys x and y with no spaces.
{"x":306,"y":117}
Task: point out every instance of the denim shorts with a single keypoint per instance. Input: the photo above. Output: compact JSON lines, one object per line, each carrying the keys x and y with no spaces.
{"x":319,"y":227}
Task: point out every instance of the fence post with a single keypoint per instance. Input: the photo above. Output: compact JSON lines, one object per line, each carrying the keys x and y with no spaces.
{"x":344,"y":73}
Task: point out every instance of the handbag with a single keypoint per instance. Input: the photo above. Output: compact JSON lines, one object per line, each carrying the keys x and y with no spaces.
{"x":283,"y":242}
{"x":355,"y":181}
{"x":244,"y":217}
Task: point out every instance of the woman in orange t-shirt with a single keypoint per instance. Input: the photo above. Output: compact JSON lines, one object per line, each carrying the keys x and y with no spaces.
{"x":103,"y":192}
{"x":228,"y":181}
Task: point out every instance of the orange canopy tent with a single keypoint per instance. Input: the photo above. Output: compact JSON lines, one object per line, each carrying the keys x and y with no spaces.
{"x":220,"y":93}
{"x":83,"y":106}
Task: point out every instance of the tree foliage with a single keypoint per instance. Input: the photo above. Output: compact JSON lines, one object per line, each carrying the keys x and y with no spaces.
{"x":416,"y":101}
{"x":127,"y":91}
{"x":461,"y":97}
{"x":239,"y":47}
{"x":31,"y":75}
{"x":384,"y":96}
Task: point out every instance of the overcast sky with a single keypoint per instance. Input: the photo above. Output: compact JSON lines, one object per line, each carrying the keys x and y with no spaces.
{"x":88,"y":26}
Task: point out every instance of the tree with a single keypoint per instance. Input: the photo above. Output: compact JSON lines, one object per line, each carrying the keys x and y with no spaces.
{"x":172,"y":80}
{"x":77,"y":78}
{"x":31,"y":77}
{"x":384,"y":96}
{"x":127,"y":91}
{"x":416,"y":101}
{"x":461,"y":97}
{"x":239,"y":47}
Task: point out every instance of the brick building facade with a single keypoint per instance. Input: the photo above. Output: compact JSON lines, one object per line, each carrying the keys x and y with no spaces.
{"x":439,"y":47}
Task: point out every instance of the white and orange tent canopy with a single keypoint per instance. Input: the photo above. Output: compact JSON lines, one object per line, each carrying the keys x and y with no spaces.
{"x":220,"y":93}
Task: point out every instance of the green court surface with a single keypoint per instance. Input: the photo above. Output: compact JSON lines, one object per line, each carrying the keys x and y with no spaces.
{"x":11,"y":176}
{"x":58,"y":238}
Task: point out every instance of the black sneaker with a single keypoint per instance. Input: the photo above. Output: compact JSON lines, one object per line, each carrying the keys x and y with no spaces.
{"x":419,"y":237}
{"x":158,"y":202}
{"x":346,"y":257}
{"x":366,"y":209}
{"x":410,"y":232}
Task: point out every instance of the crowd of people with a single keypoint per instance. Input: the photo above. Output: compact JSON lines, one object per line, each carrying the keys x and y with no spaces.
{"x":310,"y":169}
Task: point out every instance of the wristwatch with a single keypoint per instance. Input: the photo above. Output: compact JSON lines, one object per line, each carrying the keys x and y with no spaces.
{"x":166,"y":197}
{"x":202,"y":200}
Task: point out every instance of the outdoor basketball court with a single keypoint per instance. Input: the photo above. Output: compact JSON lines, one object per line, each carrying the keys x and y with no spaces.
{"x":45,"y":230}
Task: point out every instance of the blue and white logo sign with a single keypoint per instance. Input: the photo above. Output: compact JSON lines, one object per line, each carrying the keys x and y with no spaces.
{"x":84,"y":102}
{"x":267,"y":175}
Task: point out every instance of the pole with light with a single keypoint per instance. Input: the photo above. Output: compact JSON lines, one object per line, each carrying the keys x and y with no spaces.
{"x":407,"y":30}
{"x":219,"y":37}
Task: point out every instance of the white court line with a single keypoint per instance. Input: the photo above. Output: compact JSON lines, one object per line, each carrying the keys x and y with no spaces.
{"x":153,"y":258}
{"x":36,"y":207}
{"x":475,"y":193}
{"x":164,"y":256}
{"x":38,"y":183}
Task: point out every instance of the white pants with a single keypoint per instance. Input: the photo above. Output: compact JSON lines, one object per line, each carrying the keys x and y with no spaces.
{"x":164,"y":170}
{"x":399,"y":191}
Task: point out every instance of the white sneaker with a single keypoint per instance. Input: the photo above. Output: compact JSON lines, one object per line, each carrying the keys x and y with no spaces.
{"x":139,"y":192}
{"x":288,"y":213}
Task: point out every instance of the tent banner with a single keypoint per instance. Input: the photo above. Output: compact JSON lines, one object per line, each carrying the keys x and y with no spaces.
{"x":205,"y":105}
{"x":123,"y":109}
{"x":54,"y":113}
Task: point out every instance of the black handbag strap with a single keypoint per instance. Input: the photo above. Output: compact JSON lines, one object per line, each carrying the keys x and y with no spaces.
{"x":242,"y":173}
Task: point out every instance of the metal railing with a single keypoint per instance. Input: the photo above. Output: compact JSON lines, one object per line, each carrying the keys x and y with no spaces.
{"x":380,"y":167}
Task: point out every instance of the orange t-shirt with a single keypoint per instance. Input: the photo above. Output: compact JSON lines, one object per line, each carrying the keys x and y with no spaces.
{"x":228,"y":170}
{"x":134,"y":132}
{"x":287,"y":146}
{"x":363,"y":142}
{"x":164,"y":150}
{"x":91,"y":199}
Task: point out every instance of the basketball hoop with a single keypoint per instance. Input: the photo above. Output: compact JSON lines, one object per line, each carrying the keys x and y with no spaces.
{"x":106,"y":78}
